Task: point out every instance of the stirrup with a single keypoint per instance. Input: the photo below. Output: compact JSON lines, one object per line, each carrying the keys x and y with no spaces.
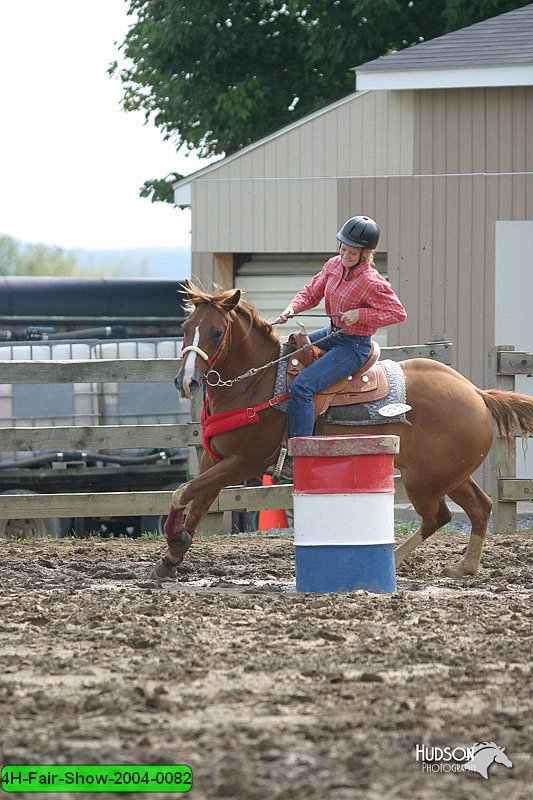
{"x":276,"y":472}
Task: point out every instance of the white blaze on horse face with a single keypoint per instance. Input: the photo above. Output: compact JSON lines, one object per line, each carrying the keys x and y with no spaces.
{"x":190,"y":364}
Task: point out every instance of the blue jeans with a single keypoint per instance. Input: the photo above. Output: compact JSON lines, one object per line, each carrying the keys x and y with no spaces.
{"x":344,"y":355}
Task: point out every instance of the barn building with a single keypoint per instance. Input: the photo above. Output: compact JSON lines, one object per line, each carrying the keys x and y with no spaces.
{"x":436,"y":144}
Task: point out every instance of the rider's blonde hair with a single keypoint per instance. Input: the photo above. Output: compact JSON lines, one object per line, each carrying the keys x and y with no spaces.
{"x":368,"y":256}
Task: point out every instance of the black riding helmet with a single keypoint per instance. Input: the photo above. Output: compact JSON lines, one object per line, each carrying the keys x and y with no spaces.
{"x":359,"y":232}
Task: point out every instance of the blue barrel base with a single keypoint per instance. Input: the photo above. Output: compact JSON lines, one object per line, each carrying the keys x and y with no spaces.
{"x":343,"y":568}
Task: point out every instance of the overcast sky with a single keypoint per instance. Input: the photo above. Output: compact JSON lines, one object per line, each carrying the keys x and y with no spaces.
{"x":71,"y":162}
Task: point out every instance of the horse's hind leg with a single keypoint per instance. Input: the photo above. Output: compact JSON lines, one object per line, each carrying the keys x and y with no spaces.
{"x":477,"y":506}
{"x":434,"y":513}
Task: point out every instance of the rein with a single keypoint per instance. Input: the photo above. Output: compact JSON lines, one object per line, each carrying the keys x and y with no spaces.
{"x":253,"y":370}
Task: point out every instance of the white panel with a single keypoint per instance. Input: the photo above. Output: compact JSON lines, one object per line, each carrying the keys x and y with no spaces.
{"x":513,"y":318}
{"x":140,"y":403}
{"x":271,"y":285}
{"x":343,"y":519}
{"x":462,"y":77}
{"x":182,"y":195}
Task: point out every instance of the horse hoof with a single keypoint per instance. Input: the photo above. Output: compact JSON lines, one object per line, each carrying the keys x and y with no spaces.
{"x":163,"y":570}
{"x":458,"y":570}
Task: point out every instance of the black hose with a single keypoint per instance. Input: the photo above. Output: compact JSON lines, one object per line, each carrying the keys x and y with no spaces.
{"x":31,"y":461}
{"x":161,"y":455}
{"x":78,"y":455}
{"x":107,"y":332}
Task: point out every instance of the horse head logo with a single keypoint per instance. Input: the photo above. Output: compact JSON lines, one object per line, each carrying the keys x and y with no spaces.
{"x":485,"y":754}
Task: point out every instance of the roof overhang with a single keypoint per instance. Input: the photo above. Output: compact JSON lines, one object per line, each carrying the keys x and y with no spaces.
{"x":445,"y":78}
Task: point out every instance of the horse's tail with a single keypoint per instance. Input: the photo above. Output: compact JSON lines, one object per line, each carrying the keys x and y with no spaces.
{"x":513,"y":413}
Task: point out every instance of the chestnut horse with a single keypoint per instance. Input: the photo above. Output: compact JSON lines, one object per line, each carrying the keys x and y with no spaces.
{"x":449,"y":435}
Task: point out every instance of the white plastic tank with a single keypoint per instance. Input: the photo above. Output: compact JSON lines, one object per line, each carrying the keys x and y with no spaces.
{"x":47,"y":404}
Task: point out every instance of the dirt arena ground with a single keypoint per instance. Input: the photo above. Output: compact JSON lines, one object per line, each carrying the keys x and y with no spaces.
{"x":266,"y":693}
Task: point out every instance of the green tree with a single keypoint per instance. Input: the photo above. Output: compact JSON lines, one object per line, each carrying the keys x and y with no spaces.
{"x":458,"y":14}
{"x":34,"y":259}
{"x":9,"y":254}
{"x":215,"y":75}
{"x":41,"y":259}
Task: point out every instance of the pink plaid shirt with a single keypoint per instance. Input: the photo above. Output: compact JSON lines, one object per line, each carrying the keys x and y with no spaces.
{"x":361,"y":287}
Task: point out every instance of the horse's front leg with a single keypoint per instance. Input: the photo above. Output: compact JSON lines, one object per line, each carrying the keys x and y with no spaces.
{"x":196,"y":496}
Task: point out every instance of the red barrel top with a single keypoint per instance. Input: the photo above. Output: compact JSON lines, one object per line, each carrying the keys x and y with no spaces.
{"x":332,"y":446}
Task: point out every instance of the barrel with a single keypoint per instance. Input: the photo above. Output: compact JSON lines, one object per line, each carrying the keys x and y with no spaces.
{"x":344,"y":512}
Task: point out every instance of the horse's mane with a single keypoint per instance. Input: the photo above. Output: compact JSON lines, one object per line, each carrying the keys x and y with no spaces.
{"x":196,"y":296}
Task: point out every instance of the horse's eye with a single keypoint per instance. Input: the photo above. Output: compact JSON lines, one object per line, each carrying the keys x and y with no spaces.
{"x":217,"y":335}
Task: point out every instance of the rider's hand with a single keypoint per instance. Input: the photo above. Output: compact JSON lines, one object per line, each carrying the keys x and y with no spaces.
{"x":350,"y":317}
{"x":284,"y":316}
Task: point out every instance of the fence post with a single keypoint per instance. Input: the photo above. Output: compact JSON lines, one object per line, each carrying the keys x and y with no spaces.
{"x":503,"y":452}
{"x":195,"y":451}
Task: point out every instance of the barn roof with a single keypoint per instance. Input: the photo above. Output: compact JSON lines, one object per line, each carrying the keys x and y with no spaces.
{"x":495,"y":52}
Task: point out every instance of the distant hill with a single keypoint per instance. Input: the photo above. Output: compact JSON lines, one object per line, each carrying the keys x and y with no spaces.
{"x":152,"y":262}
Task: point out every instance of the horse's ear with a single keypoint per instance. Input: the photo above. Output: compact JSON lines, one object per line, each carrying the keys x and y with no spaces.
{"x":231,"y":302}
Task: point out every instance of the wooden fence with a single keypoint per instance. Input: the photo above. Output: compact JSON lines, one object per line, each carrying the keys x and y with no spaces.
{"x":108,"y":437}
{"x":505,"y":363}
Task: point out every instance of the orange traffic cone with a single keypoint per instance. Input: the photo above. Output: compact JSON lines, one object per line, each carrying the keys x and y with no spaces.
{"x":271,"y":518}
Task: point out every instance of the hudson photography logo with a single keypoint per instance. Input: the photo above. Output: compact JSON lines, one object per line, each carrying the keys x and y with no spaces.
{"x":477,"y":758}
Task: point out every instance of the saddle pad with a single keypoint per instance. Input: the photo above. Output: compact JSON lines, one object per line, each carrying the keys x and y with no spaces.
{"x":368,"y":413}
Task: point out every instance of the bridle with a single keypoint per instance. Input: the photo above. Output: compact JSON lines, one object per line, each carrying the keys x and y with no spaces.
{"x":210,"y":360}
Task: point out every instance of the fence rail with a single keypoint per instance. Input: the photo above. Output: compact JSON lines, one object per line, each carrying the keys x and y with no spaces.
{"x":505,"y":363}
{"x":124,"y":504}
{"x":139,"y":503}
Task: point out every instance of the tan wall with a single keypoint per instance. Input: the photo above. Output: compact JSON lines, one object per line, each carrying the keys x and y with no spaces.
{"x":439,"y":235}
{"x":281,"y":196}
{"x":473,"y":130}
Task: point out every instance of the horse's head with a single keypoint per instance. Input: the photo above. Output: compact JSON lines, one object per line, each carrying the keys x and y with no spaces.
{"x":205,"y":335}
{"x":485,"y":754}
{"x":503,"y":758}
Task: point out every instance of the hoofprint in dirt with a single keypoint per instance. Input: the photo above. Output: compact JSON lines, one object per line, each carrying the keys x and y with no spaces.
{"x":266,"y":693}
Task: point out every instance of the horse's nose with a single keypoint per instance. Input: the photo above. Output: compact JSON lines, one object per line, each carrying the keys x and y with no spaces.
{"x":178,"y":383}
{"x":185,"y":386}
